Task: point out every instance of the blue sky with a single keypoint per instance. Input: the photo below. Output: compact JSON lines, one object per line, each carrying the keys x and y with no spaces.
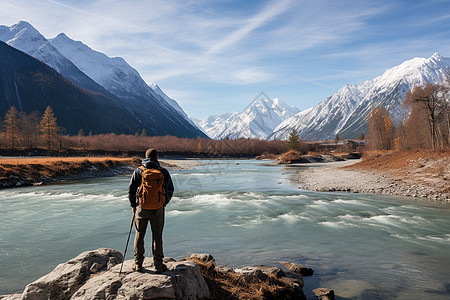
{"x":216,"y":56}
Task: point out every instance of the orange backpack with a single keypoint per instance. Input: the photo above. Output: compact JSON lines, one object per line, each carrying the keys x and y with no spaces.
{"x":151,"y":193}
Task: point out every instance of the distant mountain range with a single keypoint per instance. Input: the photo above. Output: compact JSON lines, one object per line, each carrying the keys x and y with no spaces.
{"x":258,"y":120}
{"x":89,"y":90}
{"x":344,"y":113}
{"x":132,"y":104}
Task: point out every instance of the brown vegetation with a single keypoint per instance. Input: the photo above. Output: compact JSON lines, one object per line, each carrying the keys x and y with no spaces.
{"x":22,"y":131}
{"x":290,"y":157}
{"x":198,"y":146}
{"x":28,"y":171}
{"x":381,"y":130}
{"x":427,"y":126}
{"x":230,"y":285}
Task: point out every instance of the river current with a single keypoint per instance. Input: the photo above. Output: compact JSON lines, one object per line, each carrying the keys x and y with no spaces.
{"x":243,"y":213}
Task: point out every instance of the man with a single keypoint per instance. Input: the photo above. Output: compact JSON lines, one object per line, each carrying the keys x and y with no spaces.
{"x":155,"y":216}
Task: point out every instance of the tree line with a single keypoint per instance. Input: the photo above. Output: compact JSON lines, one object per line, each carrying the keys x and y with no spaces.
{"x":27,"y":131}
{"x":426,"y":126}
{"x":192,"y":146}
{"x":30,"y":130}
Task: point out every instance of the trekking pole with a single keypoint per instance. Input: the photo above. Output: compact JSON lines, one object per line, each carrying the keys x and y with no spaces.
{"x":128,"y":239}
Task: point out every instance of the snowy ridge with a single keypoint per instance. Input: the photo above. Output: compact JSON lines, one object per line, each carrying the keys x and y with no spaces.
{"x":258,"y":120}
{"x":346,"y":111}
{"x":113,"y":77}
{"x":24,"y":37}
{"x":115,"y":74}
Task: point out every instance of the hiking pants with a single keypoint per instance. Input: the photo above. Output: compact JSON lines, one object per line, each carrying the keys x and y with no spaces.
{"x":156,"y":218}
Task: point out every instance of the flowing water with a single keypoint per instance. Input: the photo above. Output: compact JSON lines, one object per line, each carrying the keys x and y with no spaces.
{"x":243,"y":213}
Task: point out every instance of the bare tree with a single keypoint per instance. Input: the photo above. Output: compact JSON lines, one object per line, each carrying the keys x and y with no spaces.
{"x":445,"y":102}
{"x":381,"y":130}
{"x":429,"y":99}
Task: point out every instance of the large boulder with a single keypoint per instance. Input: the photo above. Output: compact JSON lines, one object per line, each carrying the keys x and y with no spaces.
{"x":68,"y":277}
{"x":95,"y":275}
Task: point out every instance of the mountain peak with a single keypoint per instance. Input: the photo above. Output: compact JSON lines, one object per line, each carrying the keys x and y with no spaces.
{"x":22,"y":28}
{"x":258,"y":120}
{"x":63,"y":36}
{"x":23,"y":24}
{"x":436,"y":55}
{"x":22,"y":36}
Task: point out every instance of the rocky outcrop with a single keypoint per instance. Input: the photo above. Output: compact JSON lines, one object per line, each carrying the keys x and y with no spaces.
{"x":296,"y":268}
{"x":95,"y":275}
{"x":324,"y":294}
{"x":68,"y":277}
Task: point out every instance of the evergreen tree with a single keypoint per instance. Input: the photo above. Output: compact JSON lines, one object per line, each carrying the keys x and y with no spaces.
{"x":293,"y":141}
{"x":81,"y":132}
{"x":11,"y":126}
{"x":144,"y":132}
{"x":49,"y":126}
{"x":337,"y":138}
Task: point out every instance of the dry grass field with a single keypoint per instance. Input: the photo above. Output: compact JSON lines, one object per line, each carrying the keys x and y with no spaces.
{"x":50,"y":160}
{"x":25,"y":171}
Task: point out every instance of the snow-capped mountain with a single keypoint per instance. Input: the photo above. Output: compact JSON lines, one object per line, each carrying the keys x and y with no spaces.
{"x":113,"y":77}
{"x":214,"y":124}
{"x":118,"y":77}
{"x":258,"y":120}
{"x":346,"y":111}
{"x":24,"y":37}
{"x":114,"y":74}
{"x":31,"y":85}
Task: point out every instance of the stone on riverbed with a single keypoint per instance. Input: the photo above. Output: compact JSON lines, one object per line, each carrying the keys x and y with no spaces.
{"x":296,"y":268}
{"x":324,"y":294}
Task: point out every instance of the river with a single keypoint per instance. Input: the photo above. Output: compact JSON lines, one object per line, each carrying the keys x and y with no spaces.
{"x":243,"y":213}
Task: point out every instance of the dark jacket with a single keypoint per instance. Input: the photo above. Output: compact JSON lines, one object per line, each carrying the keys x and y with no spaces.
{"x":136,"y":179}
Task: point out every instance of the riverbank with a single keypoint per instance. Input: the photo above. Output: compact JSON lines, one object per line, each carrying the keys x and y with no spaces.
{"x":104,"y":272}
{"x":424,"y":174}
{"x":16,"y":172}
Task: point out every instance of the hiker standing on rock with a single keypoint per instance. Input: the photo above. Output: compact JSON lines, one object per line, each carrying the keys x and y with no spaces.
{"x":150,"y":190}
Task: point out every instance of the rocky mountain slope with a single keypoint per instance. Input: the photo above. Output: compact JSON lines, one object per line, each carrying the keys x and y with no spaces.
{"x":31,"y":85}
{"x":346,"y":111}
{"x":112,"y":77}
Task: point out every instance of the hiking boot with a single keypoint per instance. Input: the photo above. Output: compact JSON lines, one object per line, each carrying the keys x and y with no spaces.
{"x":138,"y":268}
{"x":160,"y":269}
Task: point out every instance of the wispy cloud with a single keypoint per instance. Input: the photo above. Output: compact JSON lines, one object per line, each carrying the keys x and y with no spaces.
{"x":271,"y":10}
{"x":317,"y":44}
